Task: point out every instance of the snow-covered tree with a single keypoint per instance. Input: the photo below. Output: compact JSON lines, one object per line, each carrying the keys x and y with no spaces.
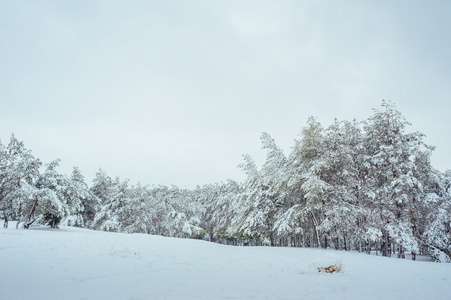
{"x":309,"y":188}
{"x":90,"y":204}
{"x":138,"y":212}
{"x":264,"y":195}
{"x":3,"y":174}
{"x":349,"y":186}
{"x":338,"y":171}
{"x":184,"y":213}
{"x":113,"y":213}
{"x":395,"y":182}
{"x":437,"y":233}
{"x":20,"y":170}
{"x":58,"y":196}
{"x":102,"y":186}
{"x":223,"y":212}
{"x":207,"y":196}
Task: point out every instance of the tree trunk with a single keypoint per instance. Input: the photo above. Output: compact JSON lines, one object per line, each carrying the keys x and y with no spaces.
{"x":53,"y":222}
{"x":318,"y":243}
{"x":20,"y":215}
{"x":401,"y":252}
{"x":29,"y":221}
{"x":344,"y":240}
{"x":388,"y":245}
{"x":385,"y":244}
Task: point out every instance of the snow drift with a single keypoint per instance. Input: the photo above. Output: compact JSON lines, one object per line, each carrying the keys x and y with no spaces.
{"x":72,"y":263}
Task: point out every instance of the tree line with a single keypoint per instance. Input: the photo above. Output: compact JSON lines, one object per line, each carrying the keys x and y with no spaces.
{"x":366,"y":186}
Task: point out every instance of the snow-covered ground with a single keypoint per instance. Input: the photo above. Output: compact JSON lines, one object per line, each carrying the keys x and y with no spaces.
{"x":72,"y":263}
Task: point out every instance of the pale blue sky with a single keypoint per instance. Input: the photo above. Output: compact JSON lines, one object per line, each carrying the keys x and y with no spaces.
{"x":174,"y":92}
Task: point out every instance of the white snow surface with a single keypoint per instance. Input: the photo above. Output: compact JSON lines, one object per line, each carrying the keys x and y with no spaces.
{"x":73,"y":263}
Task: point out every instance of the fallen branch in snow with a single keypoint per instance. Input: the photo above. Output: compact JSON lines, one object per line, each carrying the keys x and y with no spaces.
{"x":330,"y":269}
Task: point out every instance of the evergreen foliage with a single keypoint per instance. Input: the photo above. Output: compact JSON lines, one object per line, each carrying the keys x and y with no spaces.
{"x":353,"y":185}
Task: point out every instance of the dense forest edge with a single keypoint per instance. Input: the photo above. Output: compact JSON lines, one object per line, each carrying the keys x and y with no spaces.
{"x":366,"y":186}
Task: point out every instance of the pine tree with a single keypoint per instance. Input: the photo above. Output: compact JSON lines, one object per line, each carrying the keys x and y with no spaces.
{"x":20,"y":170}
{"x":58,"y":197}
{"x":113,"y":214}
{"x":437,"y":233}
{"x":102,"y":186}
{"x":394,"y":180}
{"x":138,"y":211}
{"x":3,"y":175}
{"x":258,"y":208}
{"x":185,"y":213}
{"x":90,"y":204}
{"x":223,"y":212}
{"x":305,"y":165}
{"x":338,"y":170}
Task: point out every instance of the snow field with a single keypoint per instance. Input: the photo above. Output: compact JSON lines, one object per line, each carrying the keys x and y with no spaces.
{"x":73,"y":263}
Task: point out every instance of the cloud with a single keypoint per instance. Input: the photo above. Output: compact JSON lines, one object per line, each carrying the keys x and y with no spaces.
{"x":161,"y":90}
{"x":255,"y":21}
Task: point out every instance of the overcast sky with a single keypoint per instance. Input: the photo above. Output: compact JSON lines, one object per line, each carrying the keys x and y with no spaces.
{"x":174,"y":92}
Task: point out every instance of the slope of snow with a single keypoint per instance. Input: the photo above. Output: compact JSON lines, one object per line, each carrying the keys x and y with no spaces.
{"x":72,"y":263}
